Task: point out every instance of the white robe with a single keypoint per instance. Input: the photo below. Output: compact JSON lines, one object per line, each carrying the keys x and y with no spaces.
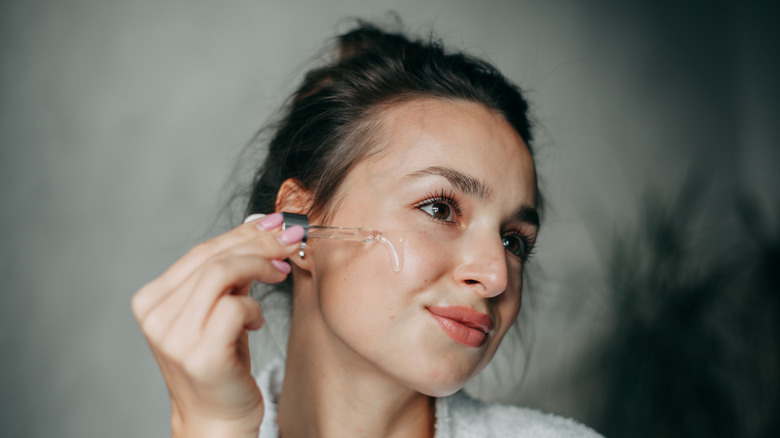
{"x":457,"y":416}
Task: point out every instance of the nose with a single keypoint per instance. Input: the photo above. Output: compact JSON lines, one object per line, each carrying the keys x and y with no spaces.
{"x":482,"y":267}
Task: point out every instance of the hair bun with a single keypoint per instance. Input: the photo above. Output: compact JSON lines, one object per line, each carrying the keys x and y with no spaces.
{"x":368,"y":39}
{"x":332,"y":120}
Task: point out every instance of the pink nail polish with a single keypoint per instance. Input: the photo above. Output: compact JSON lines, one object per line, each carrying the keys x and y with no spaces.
{"x":281,"y":266}
{"x":271,"y":221}
{"x":291,"y":235}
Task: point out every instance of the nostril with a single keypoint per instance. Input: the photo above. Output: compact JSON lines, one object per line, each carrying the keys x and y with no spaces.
{"x":471,"y":282}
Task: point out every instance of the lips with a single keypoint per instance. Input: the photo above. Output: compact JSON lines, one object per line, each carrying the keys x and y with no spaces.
{"x":465,"y":326}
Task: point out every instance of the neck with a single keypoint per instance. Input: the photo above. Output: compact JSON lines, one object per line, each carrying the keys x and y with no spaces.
{"x":331,"y":391}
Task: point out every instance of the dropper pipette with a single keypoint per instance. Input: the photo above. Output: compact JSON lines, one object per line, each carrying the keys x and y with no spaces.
{"x":326,"y":232}
{"x":394,"y":246}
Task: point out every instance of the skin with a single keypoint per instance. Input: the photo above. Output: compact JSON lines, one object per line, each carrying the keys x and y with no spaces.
{"x":195,"y":317}
{"x":354,"y":316}
{"x":365,"y":354}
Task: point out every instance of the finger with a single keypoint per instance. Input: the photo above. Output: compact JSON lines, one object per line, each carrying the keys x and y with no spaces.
{"x":232,"y":316}
{"x":217,"y":349}
{"x":244,"y":289}
{"x":153,"y":293}
{"x":205,"y":287}
{"x":200,"y":253}
{"x":222,"y":277}
{"x":215,"y":277}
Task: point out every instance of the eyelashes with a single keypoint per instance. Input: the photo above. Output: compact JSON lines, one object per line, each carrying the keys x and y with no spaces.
{"x":445,"y":208}
{"x":441,"y":207}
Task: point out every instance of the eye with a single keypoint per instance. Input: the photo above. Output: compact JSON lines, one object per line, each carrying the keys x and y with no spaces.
{"x":441,"y":207}
{"x":517,"y":245}
{"x":439,"y":210}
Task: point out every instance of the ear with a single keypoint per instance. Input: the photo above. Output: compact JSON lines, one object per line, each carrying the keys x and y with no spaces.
{"x":294,"y":198}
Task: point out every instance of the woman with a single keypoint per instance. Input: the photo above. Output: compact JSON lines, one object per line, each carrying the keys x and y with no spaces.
{"x":397,"y":136}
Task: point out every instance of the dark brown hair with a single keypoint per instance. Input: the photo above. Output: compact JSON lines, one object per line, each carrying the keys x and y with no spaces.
{"x":331,"y":122}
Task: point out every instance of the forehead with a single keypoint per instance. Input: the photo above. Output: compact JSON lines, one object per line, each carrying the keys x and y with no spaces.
{"x":464,"y":136}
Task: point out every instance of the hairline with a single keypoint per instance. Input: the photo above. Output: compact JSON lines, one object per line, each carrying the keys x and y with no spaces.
{"x":376,"y":118}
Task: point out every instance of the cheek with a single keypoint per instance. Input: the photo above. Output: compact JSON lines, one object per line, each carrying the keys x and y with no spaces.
{"x":370,"y":265}
{"x":508,"y":307}
{"x":508,"y":304}
{"x":348,"y":278}
{"x":358,"y":286}
{"x":346,"y":266}
{"x":426,"y":258}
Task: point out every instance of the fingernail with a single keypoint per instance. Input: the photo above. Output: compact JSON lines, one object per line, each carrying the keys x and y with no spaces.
{"x":281,"y":266}
{"x":291,"y":235}
{"x":253,"y":217}
{"x":271,"y":221}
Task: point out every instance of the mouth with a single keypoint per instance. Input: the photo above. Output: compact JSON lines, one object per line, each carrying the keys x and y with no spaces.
{"x":465,"y":326}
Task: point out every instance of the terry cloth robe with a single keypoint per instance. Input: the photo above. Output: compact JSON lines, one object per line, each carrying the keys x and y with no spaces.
{"x":457,"y":416}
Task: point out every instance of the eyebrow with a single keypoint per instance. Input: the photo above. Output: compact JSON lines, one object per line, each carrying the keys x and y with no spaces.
{"x":463,"y":182}
{"x":476,"y":188}
{"x":528,"y":214}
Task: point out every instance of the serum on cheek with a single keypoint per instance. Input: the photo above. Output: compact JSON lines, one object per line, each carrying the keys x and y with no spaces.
{"x":393,"y":242}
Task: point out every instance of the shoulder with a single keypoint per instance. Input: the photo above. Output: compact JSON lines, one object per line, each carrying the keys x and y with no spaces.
{"x":460,"y":416}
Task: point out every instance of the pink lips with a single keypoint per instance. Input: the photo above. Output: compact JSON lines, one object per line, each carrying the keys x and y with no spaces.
{"x":463,"y":325}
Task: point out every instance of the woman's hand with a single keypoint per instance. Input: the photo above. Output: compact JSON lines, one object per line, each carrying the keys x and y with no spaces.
{"x":196,"y":316}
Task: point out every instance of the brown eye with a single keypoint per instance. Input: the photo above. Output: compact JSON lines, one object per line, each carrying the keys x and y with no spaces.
{"x":514,"y":244}
{"x":439,"y":210}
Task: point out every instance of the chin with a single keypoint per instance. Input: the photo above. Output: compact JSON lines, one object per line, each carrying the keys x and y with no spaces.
{"x":441,"y":392}
{"x":440,"y":388}
{"x":441,"y":380}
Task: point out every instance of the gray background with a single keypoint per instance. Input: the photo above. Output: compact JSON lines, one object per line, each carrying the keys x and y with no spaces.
{"x":120,"y":123}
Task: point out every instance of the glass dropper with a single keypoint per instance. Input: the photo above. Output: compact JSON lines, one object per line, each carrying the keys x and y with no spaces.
{"x":394,"y":245}
{"x":326,"y":232}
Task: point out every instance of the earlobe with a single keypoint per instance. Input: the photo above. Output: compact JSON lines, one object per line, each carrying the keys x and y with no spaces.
{"x":301,"y":258}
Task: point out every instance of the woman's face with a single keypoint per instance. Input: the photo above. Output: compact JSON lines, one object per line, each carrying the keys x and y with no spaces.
{"x":457,"y":182}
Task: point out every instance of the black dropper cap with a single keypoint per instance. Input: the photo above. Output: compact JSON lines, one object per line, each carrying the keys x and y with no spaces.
{"x":292,"y":219}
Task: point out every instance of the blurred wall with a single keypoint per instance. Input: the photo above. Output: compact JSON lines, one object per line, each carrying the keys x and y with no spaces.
{"x":121,"y":121}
